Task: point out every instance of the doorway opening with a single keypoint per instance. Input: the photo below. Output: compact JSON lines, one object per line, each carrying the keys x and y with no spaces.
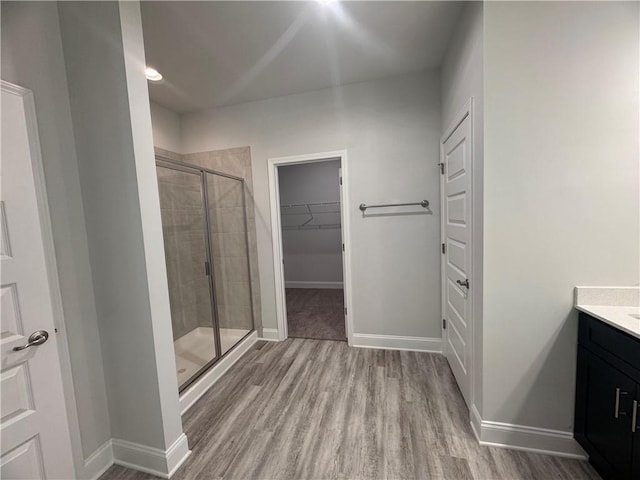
{"x":310,"y":246}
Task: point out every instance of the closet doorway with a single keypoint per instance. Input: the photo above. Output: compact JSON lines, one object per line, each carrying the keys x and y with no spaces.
{"x":308,"y":199}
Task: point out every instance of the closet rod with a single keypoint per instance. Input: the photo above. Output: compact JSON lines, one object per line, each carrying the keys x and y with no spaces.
{"x":423,"y":203}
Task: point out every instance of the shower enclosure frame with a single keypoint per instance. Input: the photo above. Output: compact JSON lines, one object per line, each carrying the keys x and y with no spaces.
{"x":165,"y":162}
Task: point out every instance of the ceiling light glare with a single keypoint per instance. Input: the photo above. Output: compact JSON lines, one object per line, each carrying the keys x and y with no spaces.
{"x":326,"y":2}
{"x":153,"y":74}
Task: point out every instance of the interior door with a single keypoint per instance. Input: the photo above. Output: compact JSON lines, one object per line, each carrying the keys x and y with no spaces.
{"x":33,"y":427}
{"x":456,"y":157}
{"x":344,"y":266}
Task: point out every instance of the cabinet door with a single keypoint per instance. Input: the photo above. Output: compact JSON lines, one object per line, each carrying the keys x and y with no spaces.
{"x":636,"y":439}
{"x":610,"y":396}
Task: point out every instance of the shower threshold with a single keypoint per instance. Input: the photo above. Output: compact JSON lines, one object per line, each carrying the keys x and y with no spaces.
{"x":196,"y":349}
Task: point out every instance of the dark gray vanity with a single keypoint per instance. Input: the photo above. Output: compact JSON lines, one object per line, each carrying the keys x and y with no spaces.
{"x":607,"y":411}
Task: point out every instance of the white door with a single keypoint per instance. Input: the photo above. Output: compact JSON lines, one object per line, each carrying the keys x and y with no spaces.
{"x":456,"y":156}
{"x":33,"y":426}
{"x":344,"y":266}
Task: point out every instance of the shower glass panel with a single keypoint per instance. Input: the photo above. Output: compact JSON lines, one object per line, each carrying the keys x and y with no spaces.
{"x":230,"y":256}
{"x":185,"y":244}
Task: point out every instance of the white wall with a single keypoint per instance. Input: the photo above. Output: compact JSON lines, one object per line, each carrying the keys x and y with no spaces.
{"x":391,"y":130}
{"x":311,"y":255}
{"x":112,"y":125}
{"x":32,"y":57}
{"x":561,"y":191}
{"x":166,"y":128}
{"x":462,"y":79}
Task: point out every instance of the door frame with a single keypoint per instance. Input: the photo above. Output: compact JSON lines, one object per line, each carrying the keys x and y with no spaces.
{"x":276,"y":235}
{"x":64,"y":358}
{"x":466,"y":111}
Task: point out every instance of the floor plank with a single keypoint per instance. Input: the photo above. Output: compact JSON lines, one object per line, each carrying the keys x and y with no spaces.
{"x":313,"y":409}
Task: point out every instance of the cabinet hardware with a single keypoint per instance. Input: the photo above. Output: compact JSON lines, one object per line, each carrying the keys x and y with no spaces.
{"x":463,"y":284}
{"x":634,"y":416}
{"x":441,"y":165}
{"x":617,"y":412}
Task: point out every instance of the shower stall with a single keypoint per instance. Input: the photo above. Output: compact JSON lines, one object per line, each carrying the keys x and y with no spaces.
{"x":204,"y":225}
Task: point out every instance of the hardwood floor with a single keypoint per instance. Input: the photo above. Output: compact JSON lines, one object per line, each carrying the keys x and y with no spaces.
{"x":312,"y":409}
{"x":316,"y":313}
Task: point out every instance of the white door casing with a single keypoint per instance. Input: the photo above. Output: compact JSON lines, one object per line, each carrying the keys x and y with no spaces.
{"x":456,"y":157}
{"x":276,"y":234}
{"x":35,"y":436}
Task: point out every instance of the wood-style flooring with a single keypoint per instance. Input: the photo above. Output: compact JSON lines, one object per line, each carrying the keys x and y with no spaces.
{"x":311,"y":409}
{"x":316,"y":313}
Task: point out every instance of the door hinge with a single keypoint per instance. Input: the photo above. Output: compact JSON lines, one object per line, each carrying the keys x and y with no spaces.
{"x":444,"y":323}
{"x":207,"y":269}
{"x":441,"y":165}
{"x":345,"y":311}
{"x":444,"y":248}
{"x":343,"y":247}
{"x":340,"y":180}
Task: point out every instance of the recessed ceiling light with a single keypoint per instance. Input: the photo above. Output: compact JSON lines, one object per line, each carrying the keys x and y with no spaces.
{"x":153,"y":74}
{"x":326,"y":2}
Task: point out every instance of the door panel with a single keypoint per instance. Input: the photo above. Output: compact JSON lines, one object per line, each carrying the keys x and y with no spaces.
{"x":34,"y":430}
{"x":608,"y":432}
{"x":456,"y":263}
{"x":230,"y":258}
{"x":195,"y":336}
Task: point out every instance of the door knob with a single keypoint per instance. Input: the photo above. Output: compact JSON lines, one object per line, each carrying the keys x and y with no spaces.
{"x":463,"y":284}
{"x":36,"y":338}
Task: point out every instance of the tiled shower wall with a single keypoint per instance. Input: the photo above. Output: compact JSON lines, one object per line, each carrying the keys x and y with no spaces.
{"x":229,"y":252}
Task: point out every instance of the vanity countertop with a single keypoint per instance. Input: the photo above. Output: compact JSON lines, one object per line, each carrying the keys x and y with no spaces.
{"x":616,"y":306}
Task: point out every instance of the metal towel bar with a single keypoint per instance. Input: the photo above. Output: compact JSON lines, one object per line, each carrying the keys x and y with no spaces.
{"x":423,"y":203}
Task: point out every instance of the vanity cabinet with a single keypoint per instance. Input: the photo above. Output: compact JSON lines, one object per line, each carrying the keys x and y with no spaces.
{"x":607,"y":414}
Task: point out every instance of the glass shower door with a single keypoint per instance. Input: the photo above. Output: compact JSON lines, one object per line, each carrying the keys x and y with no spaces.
{"x":230,"y":257}
{"x":185,"y":242}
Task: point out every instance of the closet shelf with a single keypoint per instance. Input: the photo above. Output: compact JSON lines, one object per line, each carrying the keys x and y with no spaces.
{"x":310,"y":216}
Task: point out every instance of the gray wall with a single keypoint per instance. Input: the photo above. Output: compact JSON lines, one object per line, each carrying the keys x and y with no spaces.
{"x":166,"y":128}
{"x":32,"y":57}
{"x":312,"y":255}
{"x":112,"y":125}
{"x":391,"y":129}
{"x":562,"y":204}
{"x":462,"y":79}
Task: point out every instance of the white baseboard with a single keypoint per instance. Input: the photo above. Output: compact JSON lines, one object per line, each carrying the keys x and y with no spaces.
{"x":162,"y":463}
{"x":270,"y":335}
{"x":394,"y":342}
{"x":200,"y":387}
{"x":296,"y":284}
{"x":98,"y":462}
{"x":529,"y":439}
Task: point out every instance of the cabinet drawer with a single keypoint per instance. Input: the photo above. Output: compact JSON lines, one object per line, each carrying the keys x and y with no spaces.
{"x":594,"y":333}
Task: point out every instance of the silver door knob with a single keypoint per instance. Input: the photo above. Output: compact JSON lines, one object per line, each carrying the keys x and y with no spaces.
{"x":36,"y":338}
{"x":463,"y":284}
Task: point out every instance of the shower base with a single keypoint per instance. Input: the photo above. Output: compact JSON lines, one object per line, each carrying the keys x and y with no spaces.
{"x":197,"y":348}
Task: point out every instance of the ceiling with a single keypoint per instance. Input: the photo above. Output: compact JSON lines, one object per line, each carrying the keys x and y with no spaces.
{"x":221,"y":53}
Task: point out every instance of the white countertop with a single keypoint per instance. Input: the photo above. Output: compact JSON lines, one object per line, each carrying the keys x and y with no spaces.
{"x":612,"y":305}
